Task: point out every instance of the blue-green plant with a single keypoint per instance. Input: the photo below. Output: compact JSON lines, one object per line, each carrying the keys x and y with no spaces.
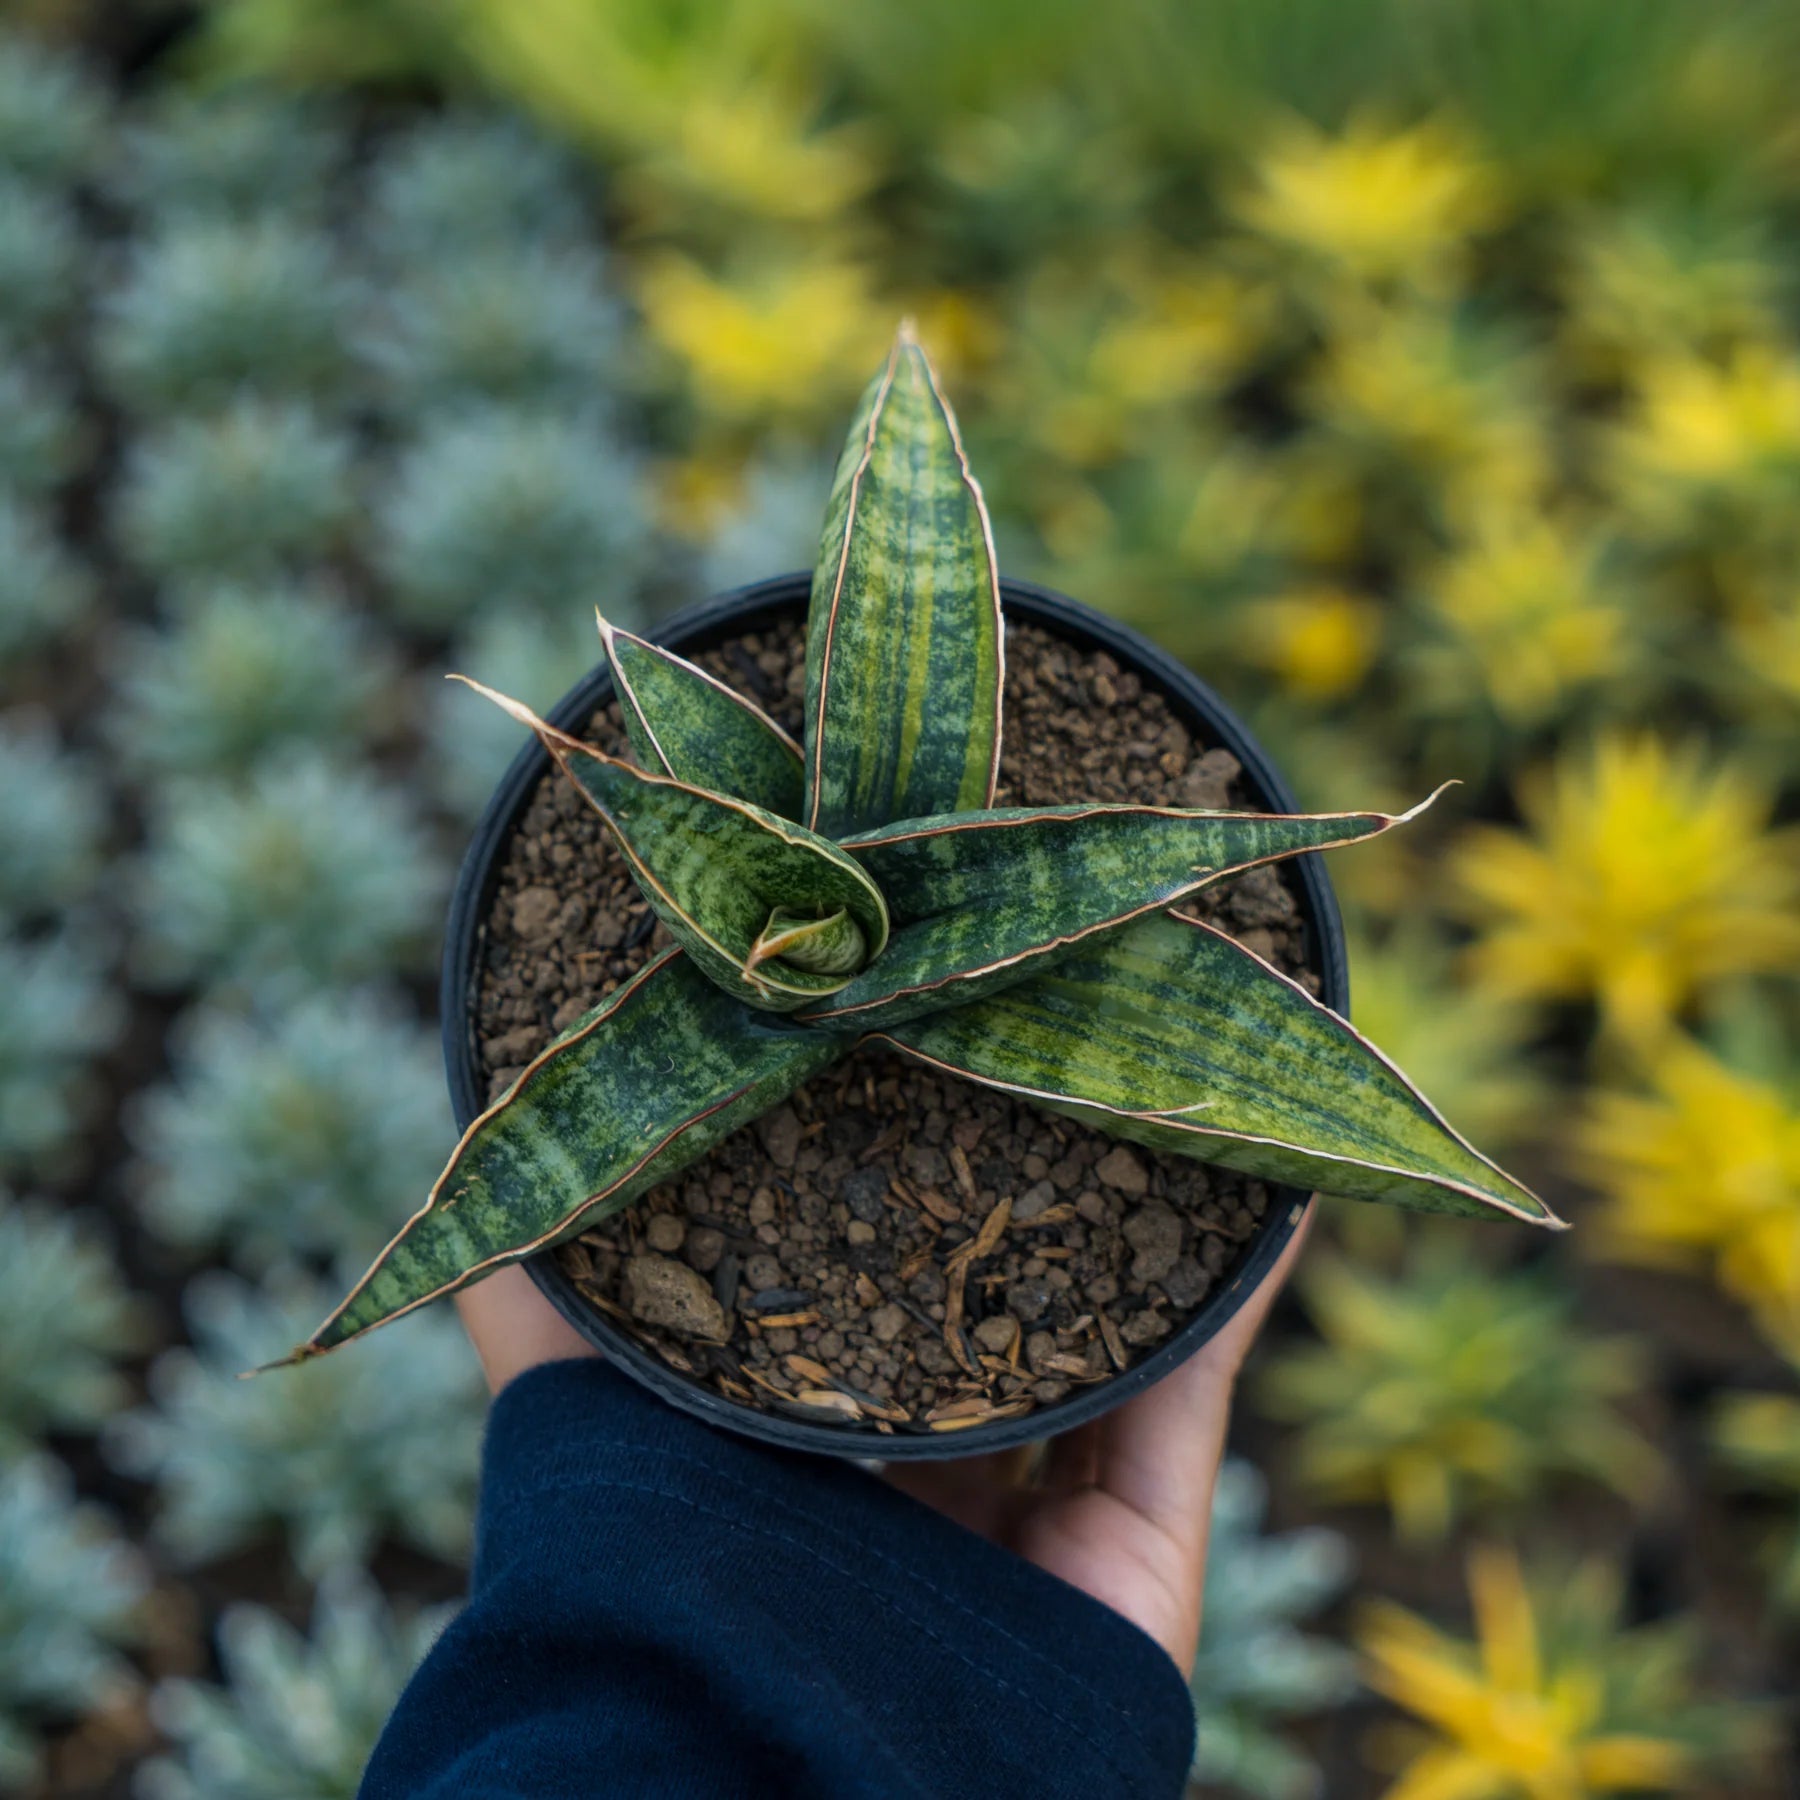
{"x":248,"y":492}
{"x":59,"y":1010}
{"x":383,"y":1449}
{"x":461,"y":184}
{"x":234,"y":152}
{"x":310,"y":871}
{"x":1257,"y":1666}
{"x":53,"y":112}
{"x":1448,"y":1387}
{"x":66,"y":1321}
{"x":496,"y":508}
{"x":71,"y":1597}
{"x":213,"y":307}
{"x":40,"y":264}
{"x":526,"y":326}
{"x":471,"y":744}
{"x":44,"y":590}
{"x":297,"y":1714}
{"x":271,"y":1140}
{"x":246,"y":669}
{"x":42,"y":436}
{"x":52,"y":819}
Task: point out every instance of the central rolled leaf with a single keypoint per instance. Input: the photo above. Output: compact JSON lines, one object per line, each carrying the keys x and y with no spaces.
{"x":729,"y":879}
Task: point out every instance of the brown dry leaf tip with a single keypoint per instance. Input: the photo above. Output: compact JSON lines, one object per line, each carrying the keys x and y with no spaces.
{"x":827,"y":1400}
{"x":789,"y":1321}
{"x":808,"y":1370}
{"x":965,"y":1176}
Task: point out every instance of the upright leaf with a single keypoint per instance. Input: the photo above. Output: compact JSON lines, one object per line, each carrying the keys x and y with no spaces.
{"x":980,"y":900}
{"x":683,"y":722}
{"x":1173,"y":1035}
{"x":904,"y":645}
{"x":649,"y":1081}
{"x":718,"y":870}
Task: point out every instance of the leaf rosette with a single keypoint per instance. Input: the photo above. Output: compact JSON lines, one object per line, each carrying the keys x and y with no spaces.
{"x":862,"y":884}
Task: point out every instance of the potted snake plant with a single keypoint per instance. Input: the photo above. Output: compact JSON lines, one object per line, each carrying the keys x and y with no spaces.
{"x":928,"y":1071}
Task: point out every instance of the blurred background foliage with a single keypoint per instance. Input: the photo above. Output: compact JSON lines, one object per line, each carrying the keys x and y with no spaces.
{"x":1425,"y":372}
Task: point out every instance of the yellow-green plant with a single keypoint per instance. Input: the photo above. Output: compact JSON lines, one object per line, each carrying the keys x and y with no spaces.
{"x":1556,"y":1698}
{"x":1645,"y":872}
{"x":1757,"y":1439}
{"x":862,"y":887}
{"x":1700,"y":1169}
{"x":1446,"y":1388}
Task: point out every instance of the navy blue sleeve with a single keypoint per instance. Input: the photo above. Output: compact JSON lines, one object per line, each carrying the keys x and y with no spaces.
{"x":659,"y":1609}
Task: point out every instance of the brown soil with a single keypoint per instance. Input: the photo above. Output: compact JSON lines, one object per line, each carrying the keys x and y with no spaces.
{"x":892,"y":1245}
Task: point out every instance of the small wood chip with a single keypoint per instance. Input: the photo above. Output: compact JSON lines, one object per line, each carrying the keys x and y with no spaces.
{"x":959,"y":1409}
{"x":775,"y":1321}
{"x":1059,"y":1214}
{"x":808,"y":1370}
{"x":1009,"y":1409}
{"x":965,"y":1176}
{"x":1064,"y":1363}
{"x":578,"y":1262}
{"x":828,"y":1400}
{"x":886,"y":1141}
{"x":944,"y":1210}
{"x":915,"y":1264}
{"x":993,"y":1228}
{"x":1052,"y":1252}
{"x":867,"y":1292}
{"x":735,"y":1390}
{"x":1115,"y":1345}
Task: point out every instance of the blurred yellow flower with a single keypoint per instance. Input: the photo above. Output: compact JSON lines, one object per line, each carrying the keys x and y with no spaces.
{"x":1554,"y":1700}
{"x":1701,"y":1170}
{"x":1642,"y":875}
{"x":1319,"y":641}
{"x":746,"y":149}
{"x":1524,"y":616}
{"x":1703,"y":436}
{"x":1092,"y":363}
{"x":791,"y":340}
{"x":1453,"y":406}
{"x":1372,"y":204}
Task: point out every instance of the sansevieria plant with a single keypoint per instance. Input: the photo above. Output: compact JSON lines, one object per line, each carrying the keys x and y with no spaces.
{"x":862,"y":886}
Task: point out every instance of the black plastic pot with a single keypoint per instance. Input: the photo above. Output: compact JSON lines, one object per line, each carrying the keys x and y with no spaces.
{"x":697,"y":628}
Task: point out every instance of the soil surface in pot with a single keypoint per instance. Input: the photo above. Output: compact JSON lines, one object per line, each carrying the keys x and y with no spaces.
{"x":892,"y":1246}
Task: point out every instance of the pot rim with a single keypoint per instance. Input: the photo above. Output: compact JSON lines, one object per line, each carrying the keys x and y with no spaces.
{"x":696,"y":627}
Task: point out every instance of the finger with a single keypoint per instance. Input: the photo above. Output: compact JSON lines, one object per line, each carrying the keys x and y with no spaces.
{"x":1159,"y":1454}
{"x":514,"y":1328}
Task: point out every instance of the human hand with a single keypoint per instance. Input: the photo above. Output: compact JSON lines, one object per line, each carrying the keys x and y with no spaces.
{"x":514,"y":1328}
{"x":1121,"y":1507}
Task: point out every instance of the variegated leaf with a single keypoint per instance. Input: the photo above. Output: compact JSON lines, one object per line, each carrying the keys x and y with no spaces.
{"x":904,"y":645}
{"x":981,"y":900}
{"x":649,"y":1081}
{"x":717,"y":870}
{"x":682,"y":722}
{"x":1174,"y":1036}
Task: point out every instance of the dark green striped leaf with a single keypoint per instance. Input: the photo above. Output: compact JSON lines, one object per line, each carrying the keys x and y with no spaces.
{"x":1174,"y":1036}
{"x":717,"y":869}
{"x":649,"y":1081}
{"x":903,"y":645}
{"x":979,"y":900}
{"x":682,"y":722}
